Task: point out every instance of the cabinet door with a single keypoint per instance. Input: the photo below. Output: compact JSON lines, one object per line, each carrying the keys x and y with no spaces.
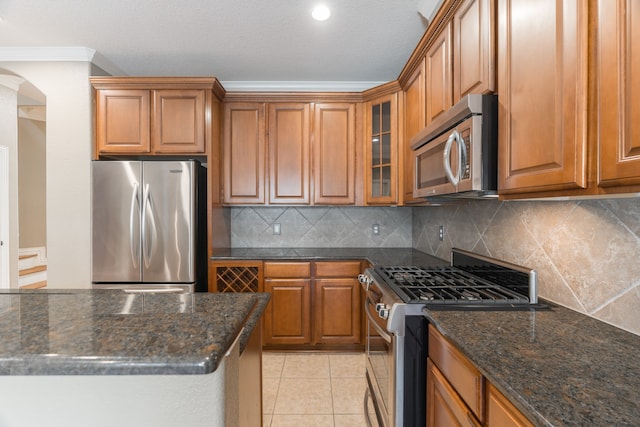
{"x":618,"y":80}
{"x":123,"y":124}
{"x":289,"y":153}
{"x":542,"y":76}
{"x":334,"y":146}
{"x":414,"y":121}
{"x":473,"y":49}
{"x":381,"y":151}
{"x":244,"y":153}
{"x":179,"y":121}
{"x":287,"y":317}
{"x":501,"y":412}
{"x":439,"y":94}
{"x":337,"y":311}
{"x":444,"y":406}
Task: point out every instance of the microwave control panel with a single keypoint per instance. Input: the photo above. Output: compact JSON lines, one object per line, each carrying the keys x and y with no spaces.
{"x":466,"y":138}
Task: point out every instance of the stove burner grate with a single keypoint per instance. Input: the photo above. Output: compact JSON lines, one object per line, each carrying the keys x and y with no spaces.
{"x":451,"y":285}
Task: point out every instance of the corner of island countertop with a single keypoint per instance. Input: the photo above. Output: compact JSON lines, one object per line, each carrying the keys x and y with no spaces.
{"x":110,"y":332}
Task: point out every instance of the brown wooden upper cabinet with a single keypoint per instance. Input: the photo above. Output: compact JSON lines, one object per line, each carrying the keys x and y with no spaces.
{"x":455,"y":57}
{"x":136,"y":115}
{"x":542,"y":63}
{"x":474,"y":48}
{"x":566,"y":122}
{"x":244,"y":153}
{"x":618,"y":102}
{"x":381,"y":150}
{"x":414,"y":121}
{"x":334,"y":148}
{"x":288,"y":139}
{"x":289,"y":153}
{"x":439,"y":90}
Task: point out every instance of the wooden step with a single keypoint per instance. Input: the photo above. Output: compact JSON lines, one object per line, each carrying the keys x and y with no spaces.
{"x":21,"y":257}
{"x":36,"y":285}
{"x":36,"y":269}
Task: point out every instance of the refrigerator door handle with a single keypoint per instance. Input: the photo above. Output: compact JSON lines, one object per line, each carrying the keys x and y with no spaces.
{"x":133,"y":242}
{"x":149,"y":228}
{"x":145,"y":245}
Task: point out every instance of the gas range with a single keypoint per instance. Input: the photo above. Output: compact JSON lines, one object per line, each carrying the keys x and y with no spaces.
{"x":397,"y":342}
{"x":472,"y":281}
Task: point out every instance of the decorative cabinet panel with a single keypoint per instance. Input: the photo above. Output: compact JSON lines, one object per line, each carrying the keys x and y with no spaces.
{"x":244,"y":153}
{"x":153,"y":115}
{"x":618,"y":86}
{"x":289,"y":165}
{"x":439,"y":90}
{"x":381,"y":150}
{"x":334,"y":148}
{"x":542,"y":76}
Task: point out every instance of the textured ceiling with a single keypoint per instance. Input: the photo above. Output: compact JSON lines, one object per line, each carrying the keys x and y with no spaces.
{"x":234,"y":40}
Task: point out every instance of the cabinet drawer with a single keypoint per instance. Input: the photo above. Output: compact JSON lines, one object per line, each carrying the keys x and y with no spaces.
{"x":287,"y":269}
{"x":337,"y":268}
{"x":459,"y":371}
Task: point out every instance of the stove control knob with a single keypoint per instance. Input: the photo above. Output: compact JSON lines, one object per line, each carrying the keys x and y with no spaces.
{"x":380,"y":306}
{"x":383,"y":313}
{"x":364,"y":279}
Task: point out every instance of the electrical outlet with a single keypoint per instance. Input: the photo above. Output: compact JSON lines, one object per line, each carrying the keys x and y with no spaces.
{"x":276,"y":228}
{"x":376,"y":229}
{"x":441,"y":233}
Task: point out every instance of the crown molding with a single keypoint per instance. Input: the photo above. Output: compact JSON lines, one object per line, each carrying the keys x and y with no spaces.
{"x":71,"y":53}
{"x":298,"y":86}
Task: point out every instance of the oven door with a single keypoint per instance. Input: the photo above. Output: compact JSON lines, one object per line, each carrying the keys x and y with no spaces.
{"x":380,"y":362}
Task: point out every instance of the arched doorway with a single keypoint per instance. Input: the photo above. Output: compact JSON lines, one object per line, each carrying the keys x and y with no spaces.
{"x":24,"y":169}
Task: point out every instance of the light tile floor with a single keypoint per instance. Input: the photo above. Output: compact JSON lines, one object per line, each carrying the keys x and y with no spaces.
{"x":313,"y":389}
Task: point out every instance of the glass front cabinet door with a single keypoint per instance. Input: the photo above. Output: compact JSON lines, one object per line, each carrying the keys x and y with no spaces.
{"x":381,"y":151}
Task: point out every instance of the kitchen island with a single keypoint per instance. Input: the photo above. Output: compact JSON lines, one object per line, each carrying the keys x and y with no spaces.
{"x":86,"y":357}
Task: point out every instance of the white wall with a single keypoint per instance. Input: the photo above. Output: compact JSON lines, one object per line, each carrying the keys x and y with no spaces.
{"x":69,"y":141}
{"x":9,"y":139}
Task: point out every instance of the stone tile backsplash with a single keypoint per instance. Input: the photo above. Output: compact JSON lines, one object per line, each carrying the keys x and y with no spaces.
{"x":317,"y":227}
{"x":587,"y":253}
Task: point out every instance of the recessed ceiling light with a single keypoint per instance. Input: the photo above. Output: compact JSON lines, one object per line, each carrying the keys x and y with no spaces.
{"x":321,"y":13}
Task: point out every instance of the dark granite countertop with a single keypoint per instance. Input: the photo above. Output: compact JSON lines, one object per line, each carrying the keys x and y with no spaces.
{"x":89,"y":332}
{"x":559,"y":367}
{"x":378,"y":256}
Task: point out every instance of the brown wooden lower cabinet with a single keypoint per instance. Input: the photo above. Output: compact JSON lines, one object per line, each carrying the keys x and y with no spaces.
{"x":337,"y":305}
{"x":314,"y":305}
{"x":501,"y":412}
{"x":287,"y":318}
{"x":456,"y":391}
{"x":445,"y":408}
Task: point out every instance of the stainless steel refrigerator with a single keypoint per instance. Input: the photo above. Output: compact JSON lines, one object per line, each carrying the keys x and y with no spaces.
{"x":149,"y":225}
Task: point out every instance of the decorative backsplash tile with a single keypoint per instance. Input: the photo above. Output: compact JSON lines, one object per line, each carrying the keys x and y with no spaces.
{"x":587,"y":253}
{"x":317,"y":227}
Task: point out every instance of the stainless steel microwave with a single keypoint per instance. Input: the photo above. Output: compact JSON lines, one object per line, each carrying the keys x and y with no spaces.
{"x":457,"y":154}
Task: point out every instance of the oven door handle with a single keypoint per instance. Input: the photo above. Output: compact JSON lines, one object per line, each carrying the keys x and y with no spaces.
{"x":377,"y":327}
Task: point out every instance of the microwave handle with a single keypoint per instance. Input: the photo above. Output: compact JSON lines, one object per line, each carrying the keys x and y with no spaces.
{"x":446,"y":156}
